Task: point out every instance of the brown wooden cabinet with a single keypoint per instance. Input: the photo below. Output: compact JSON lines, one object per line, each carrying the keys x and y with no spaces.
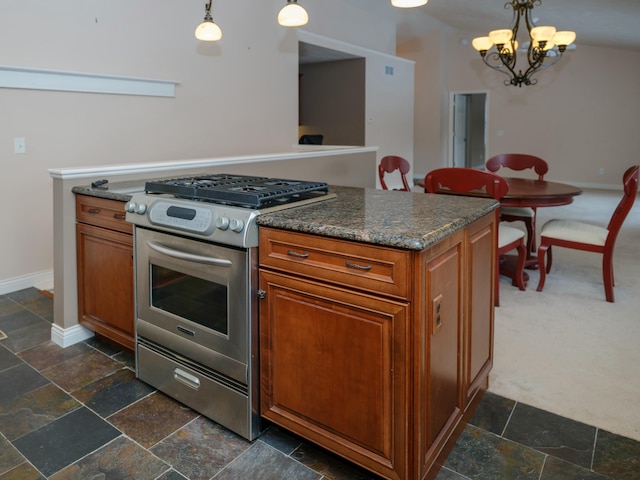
{"x":376,"y":353}
{"x":105,"y":269}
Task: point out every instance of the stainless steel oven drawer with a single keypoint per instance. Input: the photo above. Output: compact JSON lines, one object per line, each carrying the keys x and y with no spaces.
{"x":198,"y":390}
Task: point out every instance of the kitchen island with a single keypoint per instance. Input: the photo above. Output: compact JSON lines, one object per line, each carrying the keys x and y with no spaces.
{"x":376,"y":323}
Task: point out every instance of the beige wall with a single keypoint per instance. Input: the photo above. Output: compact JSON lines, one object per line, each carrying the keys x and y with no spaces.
{"x":235,"y":97}
{"x":581,"y":116}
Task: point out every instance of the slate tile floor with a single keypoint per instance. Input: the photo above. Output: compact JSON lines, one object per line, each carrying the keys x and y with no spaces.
{"x":79,"y":413}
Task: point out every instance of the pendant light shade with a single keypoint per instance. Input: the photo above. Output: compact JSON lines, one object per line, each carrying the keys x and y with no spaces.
{"x":208,"y":31}
{"x":408,"y":3}
{"x":292,"y":15}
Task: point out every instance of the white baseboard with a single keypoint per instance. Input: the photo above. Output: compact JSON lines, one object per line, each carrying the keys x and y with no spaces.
{"x":65,"y":337}
{"x":40,"y":280}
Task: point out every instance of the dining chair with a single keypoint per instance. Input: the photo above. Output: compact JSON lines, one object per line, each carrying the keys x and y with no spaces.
{"x":467,"y":181}
{"x":519,"y":162}
{"x":391,"y":163}
{"x":587,"y":237}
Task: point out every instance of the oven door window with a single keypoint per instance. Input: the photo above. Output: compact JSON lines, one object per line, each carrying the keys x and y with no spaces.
{"x":190,"y":298}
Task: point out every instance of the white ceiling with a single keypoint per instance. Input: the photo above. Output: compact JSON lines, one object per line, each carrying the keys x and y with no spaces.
{"x":604,"y":23}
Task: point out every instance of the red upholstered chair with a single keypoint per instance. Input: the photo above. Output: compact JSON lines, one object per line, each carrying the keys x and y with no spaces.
{"x":589,"y":238}
{"x":390,"y":163}
{"x":520,"y":161}
{"x":467,"y":181}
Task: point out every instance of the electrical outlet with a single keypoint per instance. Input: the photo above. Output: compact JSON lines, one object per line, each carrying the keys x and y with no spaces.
{"x":19,"y":146}
{"x":601,"y":171}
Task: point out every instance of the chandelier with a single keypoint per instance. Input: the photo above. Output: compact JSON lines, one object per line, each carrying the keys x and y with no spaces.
{"x":545,"y":46}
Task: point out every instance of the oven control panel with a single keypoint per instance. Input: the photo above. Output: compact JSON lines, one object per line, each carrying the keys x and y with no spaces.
{"x":213,"y":222}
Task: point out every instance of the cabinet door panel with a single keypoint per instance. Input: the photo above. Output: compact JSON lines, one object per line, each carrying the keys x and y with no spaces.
{"x":479,"y":329}
{"x":333,"y":367}
{"x":105,"y":282}
{"x":438,"y":369}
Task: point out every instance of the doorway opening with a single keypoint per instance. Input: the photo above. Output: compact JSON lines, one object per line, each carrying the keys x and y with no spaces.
{"x":468,"y":129}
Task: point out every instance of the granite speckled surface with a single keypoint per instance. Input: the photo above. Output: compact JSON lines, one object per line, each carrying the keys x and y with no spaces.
{"x":397,"y":219}
{"x":120,"y":191}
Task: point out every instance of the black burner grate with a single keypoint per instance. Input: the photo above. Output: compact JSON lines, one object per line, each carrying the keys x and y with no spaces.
{"x":238,"y":190}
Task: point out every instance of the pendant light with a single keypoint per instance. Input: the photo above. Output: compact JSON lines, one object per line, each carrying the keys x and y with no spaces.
{"x":408,"y":3}
{"x":208,"y":31}
{"x":292,"y":15}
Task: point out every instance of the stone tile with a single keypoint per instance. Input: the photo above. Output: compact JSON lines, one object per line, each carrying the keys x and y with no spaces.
{"x":170,"y":475}
{"x":119,"y":459}
{"x":10,"y":458}
{"x":23,"y":471}
{"x":8,"y":306}
{"x":34,"y":301}
{"x":556,"y":469}
{"x":18,"y":320}
{"x":127,"y":358}
{"x":482,"y":455}
{"x":50,"y":354}
{"x":27,"y":337}
{"x":492,"y":413}
{"x":19,"y":380}
{"x":152,"y":418}
{"x":214,"y":447}
{"x":617,"y":457}
{"x":552,"y":434}
{"x":7,"y":359}
{"x":34,"y":409}
{"x":113,"y":392}
{"x":81,"y":370}
{"x":66,"y":440}
{"x":446,"y":474}
{"x":330,"y":465}
{"x":281,"y":440}
{"x":263,"y":462}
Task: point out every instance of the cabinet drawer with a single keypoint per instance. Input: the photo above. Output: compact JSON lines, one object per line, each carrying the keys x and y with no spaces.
{"x":367,"y":267}
{"x":102,"y":212}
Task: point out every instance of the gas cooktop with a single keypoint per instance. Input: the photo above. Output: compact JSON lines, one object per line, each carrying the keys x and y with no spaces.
{"x":238,"y":190}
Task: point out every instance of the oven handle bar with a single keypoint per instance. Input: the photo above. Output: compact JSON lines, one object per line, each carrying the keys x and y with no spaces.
{"x":220,"y":262}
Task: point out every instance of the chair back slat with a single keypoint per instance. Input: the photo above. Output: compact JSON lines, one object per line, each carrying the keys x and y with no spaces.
{"x":390,"y":163}
{"x":466,"y":180}
{"x":518,"y":161}
{"x":630,"y":184}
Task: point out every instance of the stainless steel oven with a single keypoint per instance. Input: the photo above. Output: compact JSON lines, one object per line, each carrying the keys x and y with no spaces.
{"x":194,"y":341}
{"x":196,"y":259}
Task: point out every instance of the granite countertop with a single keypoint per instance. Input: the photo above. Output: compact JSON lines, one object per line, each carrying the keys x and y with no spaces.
{"x":391,"y":218}
{"x":121,"y":191}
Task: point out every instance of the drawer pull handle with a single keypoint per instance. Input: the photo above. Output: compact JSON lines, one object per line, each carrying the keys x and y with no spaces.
{"x":119,"y":216}
{"x":187,"y":379}
{"x":355,"y":266}
{"x":297,"y":255}
{"x":93,"y":210}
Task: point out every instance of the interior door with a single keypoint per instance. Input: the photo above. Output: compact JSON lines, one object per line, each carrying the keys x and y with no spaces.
{"x":468,"y":136}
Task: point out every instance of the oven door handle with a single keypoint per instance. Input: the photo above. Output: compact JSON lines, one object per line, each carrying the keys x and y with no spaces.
{"x":190,"y":257}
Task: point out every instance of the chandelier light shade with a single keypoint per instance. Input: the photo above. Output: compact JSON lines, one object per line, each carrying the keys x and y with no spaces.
{"x":545,"y":46}
{"x":292,"y":15}
{"x":408,"y":3}
{"x":208,"y":31}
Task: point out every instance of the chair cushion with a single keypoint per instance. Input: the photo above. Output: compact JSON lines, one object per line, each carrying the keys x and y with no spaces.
{"x":517,"y":211}
{"x":574,"y":231}
{"x":506,"y":235}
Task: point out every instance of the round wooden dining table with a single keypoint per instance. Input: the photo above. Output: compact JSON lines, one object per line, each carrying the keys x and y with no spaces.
{"x":525,"y":192}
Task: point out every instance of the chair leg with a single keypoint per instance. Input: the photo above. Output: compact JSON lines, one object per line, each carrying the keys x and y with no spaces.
{"x":522,"y":256}
{"x":542,"y":250}
{"x":496,"y":283}
{"x":607,"y":277}
{"x":531,"y":236}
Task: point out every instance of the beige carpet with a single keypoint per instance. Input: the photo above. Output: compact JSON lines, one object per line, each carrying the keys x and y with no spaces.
{"x":566,"y":349}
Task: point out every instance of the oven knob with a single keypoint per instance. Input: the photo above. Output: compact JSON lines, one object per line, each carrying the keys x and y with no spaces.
{"x":141,"y":208}
{"x":222,"y":223}
{"x":130,"y":207}
{"x":236,"y":225}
